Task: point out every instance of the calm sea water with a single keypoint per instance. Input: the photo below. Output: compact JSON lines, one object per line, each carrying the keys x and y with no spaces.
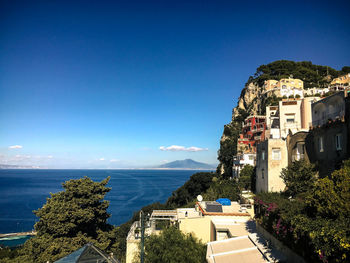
{"x":22,"y":191}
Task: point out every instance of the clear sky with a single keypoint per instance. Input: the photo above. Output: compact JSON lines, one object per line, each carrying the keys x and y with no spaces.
{"x":87,"y":84}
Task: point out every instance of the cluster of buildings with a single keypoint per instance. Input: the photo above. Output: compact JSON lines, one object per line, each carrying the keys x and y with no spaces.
{"x":290,"y":87}
{"x":299,"y":127}
{"x":227,"y":229}
{"x":303,"y":127}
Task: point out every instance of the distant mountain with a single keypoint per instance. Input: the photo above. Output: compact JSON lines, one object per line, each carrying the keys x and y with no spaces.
{"x":187,"y":164}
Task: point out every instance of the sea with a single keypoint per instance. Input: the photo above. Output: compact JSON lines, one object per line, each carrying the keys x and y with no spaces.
{"x":22,"y":191}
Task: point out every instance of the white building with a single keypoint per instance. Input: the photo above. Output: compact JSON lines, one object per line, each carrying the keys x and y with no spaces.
{"x":241,"y":160}
{"x":314,"y":91}
{"x":272,"y":123}
{"x":285,"y":87}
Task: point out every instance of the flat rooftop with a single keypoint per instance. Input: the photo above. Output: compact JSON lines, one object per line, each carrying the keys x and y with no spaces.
{"x":215,"y":208}
{"x":238,"y":249}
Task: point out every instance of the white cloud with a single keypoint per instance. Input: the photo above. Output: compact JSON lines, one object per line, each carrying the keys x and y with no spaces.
{"x":177,"y":148}
{"x":114,"y":160}
{"x":101,"y":159}
{"x":49,"y":156}
{"x":16,"y":147}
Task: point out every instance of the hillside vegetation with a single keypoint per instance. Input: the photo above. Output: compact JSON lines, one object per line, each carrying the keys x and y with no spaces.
{"x":312,"y":75}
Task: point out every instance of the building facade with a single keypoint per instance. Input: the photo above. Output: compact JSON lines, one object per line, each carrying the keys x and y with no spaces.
{"x":272,"y":157}
{"x":289,"y":87}
{"x":253,"y":131}
{"x":340,"y":83}
{"x":241,"y":160}
{"x":329,"y":142}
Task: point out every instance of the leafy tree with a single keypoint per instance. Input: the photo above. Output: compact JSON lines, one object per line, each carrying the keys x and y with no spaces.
{"x":228,"y":146}
{"x":70,"y":219}
{"x":223,"y":188}
{"x":298,"y":177}
{"x":316,"y":224}
{"x":174,"y":246}
{"x":330,"y":197}
{"x":247,"y":178}
{"x":198,"y":183}
{"x":312,"y":75}
{"x":345,"y":70}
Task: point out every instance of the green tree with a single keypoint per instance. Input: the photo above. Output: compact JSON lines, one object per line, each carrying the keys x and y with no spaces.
{"x":330,"y":197}
{"x":223,"y":188}
{"x":246,"y":179}
{"x":198,"y":183}
{"x":228,"y":146}
{"x":70,"y":219}
{"x":299,"y":177}
{"x":173,"y":246}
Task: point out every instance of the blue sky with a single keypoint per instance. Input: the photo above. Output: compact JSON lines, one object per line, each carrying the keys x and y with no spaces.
{"x":97,"y":84}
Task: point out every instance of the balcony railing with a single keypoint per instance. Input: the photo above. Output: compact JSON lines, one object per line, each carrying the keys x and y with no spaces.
{"x":331,"y":116}
{"x":258,"y":129}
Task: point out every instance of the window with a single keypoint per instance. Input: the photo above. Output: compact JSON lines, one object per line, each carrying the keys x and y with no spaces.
{"x":276,"y":154}
{"x":251,"y":157}
{"x":338,"y":142}
{"x":263,"y":155}
{"x":262,"y":173}
{"x":320,"y":144}
{"x":290,"y":120}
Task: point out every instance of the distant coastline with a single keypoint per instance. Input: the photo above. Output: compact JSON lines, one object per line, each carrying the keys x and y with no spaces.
{"x":149,"y":168}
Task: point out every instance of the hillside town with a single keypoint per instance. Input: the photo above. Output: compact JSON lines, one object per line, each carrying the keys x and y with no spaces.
{"x":304,"y":124}
{"x":308,"y":124}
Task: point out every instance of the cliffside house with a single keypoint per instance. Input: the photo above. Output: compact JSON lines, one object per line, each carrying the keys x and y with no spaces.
{"x":241,"y":160}
{"x":340,"y":83}
{"x":291,"y":116}
{"x":253,"y":132}
{"x":329,"y":142}
{"x":272,"y":156}
{"x":208,"y":221}
{"x":284,"y":87}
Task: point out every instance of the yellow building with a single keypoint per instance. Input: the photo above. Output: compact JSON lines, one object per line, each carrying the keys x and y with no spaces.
{"x":341,"y":80}
{"x":208,"y":221}
{"x":270,"y":84}
{"x":285,"y":87}
{"x":341,"y":83}
{"x":290,"y":83}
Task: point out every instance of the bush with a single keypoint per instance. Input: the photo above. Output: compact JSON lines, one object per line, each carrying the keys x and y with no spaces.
{"x":316,"y":223}
{"x":197,"y":184}
{"x":173,"y":246}
{"x":224,"y":188}
{"x":298,"y":177}
{"x":246,"y":179}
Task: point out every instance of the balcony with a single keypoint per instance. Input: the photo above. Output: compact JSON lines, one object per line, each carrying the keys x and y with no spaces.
{"x":332,"y":116}
{"x":260,"y":129}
